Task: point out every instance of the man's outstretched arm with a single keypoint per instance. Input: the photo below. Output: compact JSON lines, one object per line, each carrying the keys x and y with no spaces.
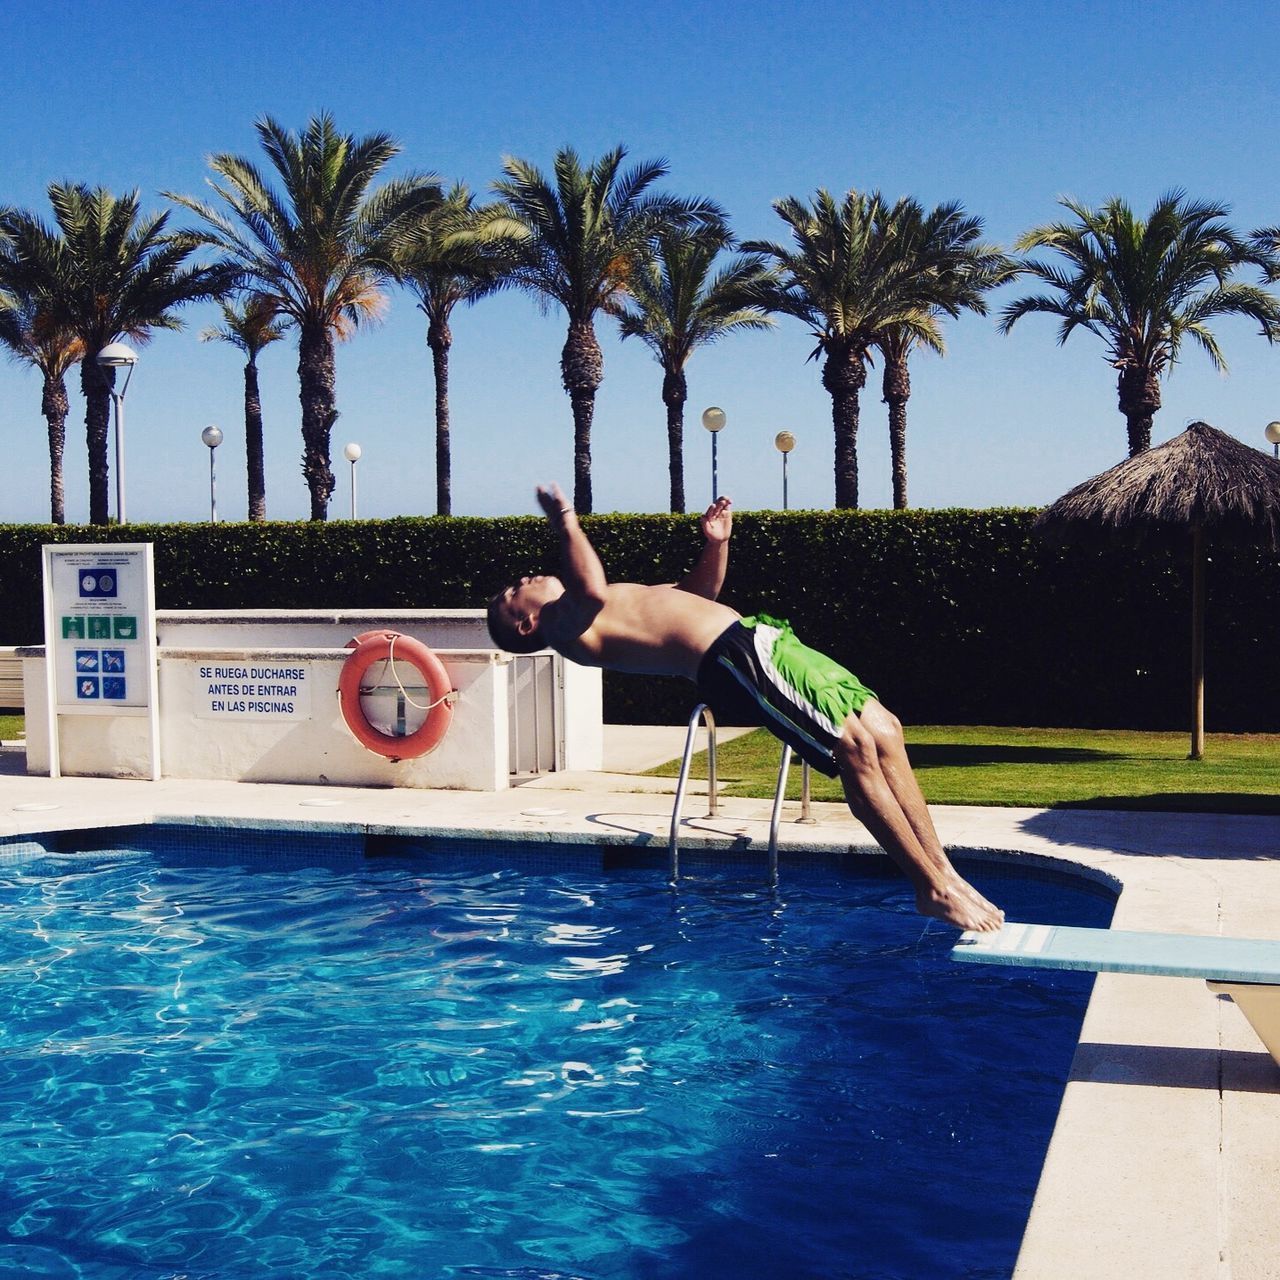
{"x":581,"y":571}
{"x":707,"y":576}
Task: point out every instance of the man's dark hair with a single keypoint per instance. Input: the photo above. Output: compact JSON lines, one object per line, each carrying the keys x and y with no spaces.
{"x":504,"y":634}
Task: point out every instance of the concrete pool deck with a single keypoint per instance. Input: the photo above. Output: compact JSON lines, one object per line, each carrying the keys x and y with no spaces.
{"x":1165,"y":1161}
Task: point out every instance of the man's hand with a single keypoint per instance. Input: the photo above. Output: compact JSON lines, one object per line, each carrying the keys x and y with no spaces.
{"x":707,"y":576}
{"x":553,"y":502}
{"x":717,"y":524}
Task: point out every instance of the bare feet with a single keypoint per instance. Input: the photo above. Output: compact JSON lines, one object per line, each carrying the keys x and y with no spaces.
{"x":957,"y":902}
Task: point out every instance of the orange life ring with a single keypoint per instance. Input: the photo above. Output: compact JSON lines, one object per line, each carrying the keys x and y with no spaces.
{"x":389,"y":646}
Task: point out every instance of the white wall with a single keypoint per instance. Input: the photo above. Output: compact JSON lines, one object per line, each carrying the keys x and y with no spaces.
{"x":475,"y":753}
{"x":319,"y":749}
{"x":332,"y":628}
{"x":570,"y":719}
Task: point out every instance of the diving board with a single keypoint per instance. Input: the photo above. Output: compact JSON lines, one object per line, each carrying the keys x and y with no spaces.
{"x":1246,"y":969}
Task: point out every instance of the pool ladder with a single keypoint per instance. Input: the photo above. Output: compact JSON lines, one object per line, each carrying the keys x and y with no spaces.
{"x":703,"y":712}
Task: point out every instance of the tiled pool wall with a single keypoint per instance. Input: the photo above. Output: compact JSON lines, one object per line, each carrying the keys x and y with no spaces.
{"x":541,"y":850}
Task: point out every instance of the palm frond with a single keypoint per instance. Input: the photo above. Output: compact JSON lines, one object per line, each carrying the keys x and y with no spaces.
{"x":314,"y":241}
{"x":1142,"y":283}
{"x":590,"y":229}
{"x":676,"y":303}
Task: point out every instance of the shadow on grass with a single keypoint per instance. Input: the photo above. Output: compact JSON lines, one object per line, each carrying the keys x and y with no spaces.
{"x":1233,"y":829}
{"x":947,"y":755}
{"x":1242,"y":802}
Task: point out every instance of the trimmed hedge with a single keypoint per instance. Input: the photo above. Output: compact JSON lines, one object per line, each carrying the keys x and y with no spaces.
{"x":951,"y":616}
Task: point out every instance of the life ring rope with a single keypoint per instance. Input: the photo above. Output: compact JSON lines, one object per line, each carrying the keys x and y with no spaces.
{"x":380,"y":646}
{"x":389,"y":664}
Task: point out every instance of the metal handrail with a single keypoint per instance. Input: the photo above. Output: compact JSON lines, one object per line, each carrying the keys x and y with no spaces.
{"x":806,"y":817}
{"x":776,"y":816}
{"x":673,"y":841}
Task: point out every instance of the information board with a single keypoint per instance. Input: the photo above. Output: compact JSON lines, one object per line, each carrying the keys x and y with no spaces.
{"x":100,"y":633}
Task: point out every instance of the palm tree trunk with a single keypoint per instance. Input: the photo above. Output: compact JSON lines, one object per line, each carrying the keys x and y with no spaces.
{"x":439,"y":339}
{"x":55,"y":406}
{"x":96,"y":384}
{"x":1197,"y":643}
{"x":675,"y":391}
{"x":897,"y":391}
{"x":253,"y":443}
{"x":582,"y":371}
{"x":316,"y":376}
{"x":1138,"y":392}
{"x":843,"y":375}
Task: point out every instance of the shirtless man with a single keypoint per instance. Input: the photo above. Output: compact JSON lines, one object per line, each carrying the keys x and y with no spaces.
{"x":748,"y":670}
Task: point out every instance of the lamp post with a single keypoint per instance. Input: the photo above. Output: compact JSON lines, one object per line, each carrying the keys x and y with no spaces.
{"x":352,"y":454}
{"x":1272,"y":433}
{"x":115,"y":355}
{"x":212,"y":436}
{"x":714,"y":420}
{"x":784,"y":442}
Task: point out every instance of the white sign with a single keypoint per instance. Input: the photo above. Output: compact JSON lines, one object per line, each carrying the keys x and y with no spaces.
{"x":235,"y":689}
{"x":100,"y":628}
{"x":100,"y":636}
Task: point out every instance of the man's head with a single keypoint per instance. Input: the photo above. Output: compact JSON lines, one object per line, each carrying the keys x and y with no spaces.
{"x":516,"y":611}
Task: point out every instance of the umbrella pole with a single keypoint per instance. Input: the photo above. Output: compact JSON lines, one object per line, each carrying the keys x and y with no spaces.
{"x":1197,"y":643}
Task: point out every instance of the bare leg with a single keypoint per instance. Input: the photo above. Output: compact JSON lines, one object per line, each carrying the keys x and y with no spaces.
{"x":885,"y":728}
{"x":901,"y":824}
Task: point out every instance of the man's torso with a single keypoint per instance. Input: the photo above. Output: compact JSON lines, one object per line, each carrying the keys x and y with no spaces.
{"x":653,"y":630}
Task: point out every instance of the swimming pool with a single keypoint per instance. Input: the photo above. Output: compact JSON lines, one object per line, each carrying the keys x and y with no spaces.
{"x":237,"y":1054}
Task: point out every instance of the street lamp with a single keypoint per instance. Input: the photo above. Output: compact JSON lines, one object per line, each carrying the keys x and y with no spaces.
{"x":212,"y":436}
{"x":352,"y":455}
{"x":1272,"y":433}
{"x":714,"y":420}
{"x":115,"y":355}
{"x":784,"y":442}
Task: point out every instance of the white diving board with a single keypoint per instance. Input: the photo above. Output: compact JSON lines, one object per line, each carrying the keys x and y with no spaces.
{"x":1246,"y":969}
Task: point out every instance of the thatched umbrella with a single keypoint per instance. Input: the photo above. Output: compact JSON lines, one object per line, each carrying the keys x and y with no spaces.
{"x":1201,"y":480}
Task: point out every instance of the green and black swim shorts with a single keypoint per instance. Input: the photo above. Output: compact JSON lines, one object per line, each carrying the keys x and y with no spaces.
{"x":757,"y":672}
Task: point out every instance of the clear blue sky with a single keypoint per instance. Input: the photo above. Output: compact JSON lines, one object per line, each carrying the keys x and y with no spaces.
{"x":1004,"y":106}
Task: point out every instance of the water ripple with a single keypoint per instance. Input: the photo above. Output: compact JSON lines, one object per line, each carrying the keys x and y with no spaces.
{"x":216,"y":1071}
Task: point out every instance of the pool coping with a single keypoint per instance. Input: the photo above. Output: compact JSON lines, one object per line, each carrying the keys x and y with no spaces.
{"x":1165,"y":1157}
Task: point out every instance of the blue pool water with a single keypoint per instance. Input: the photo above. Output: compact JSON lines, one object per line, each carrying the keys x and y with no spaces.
{"x":225,"y":1059}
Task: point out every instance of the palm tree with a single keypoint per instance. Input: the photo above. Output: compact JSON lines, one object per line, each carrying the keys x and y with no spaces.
{"x":850,"y":281}
{"x":105,"y":273}
{"x":957,"y":270}
{"x":1266,"y":242}
{"x":30,"y":339}
{"x":318,"y":250}
{"x":1143,"y":285}
{"x":678,"y":306}
{"x":249,"y":325}
{"x":586,"y":234}
{"x":459,"y":254}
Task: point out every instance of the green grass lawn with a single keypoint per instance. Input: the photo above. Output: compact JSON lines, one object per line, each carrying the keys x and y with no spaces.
{"x":1037,"y":768}
{"x":1045,"y":768}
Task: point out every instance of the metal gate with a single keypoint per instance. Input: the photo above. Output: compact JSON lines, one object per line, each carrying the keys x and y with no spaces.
{"x":532,"y":709}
